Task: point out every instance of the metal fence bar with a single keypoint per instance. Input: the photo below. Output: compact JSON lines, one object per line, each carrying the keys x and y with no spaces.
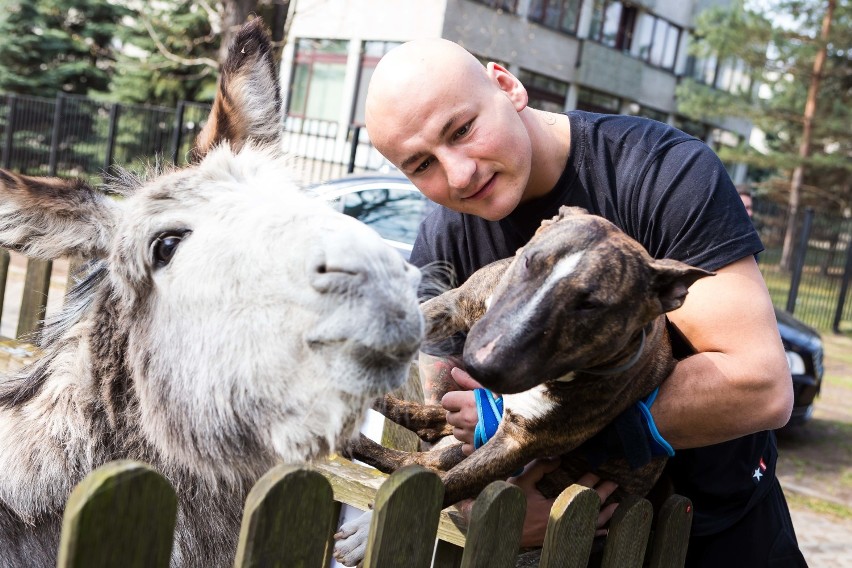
{"x":844,"y":288}
{"x":800,"y":260}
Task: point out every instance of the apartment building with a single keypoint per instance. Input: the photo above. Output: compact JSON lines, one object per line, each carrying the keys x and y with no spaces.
{"x":600,"y":55}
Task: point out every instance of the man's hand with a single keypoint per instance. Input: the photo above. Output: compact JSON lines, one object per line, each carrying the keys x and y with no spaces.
{"x":461,"y":408}
{"x":538,"y":506}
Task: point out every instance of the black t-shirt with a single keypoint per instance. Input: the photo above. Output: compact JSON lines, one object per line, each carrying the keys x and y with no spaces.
{"x":670,"y":192}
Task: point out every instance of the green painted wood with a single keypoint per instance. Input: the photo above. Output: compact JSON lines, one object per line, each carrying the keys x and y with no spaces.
{"x":34,"y":302}
{"x":628,"y":534}
{"x":671,"y":535}
{"x":447,"y":555}
{"x":496,"y":522}
{"x":571,"y":530}
{"x":287,"y":520}
{"x":405,"y":520}
{"x":329,"y":544}
{"x":121,"y":514}
{"x":4,"y":273}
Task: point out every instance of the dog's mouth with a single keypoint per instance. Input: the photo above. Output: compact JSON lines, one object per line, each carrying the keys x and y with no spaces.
{"x":446,"y":346}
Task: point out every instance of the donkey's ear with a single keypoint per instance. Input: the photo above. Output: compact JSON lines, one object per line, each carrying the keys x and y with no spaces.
{"x":50,"y":217}
{"x":248,"y":101}
{"x":672,"y":280}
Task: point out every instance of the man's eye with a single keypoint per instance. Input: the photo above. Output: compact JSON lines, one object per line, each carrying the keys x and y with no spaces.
{"x":423,"y":165}
{"x":463,"y":130}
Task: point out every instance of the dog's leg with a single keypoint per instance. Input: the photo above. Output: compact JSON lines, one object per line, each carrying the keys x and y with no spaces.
{"x":428,"y":421}
{"x":387,"y":460}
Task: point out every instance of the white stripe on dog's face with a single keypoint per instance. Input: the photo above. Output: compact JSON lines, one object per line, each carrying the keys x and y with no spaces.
{"x":529,"y":404}
{"x":563,"y":268}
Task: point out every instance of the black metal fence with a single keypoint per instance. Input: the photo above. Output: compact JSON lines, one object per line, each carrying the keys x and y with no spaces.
{"x":77,"y":136}
{"x":814,"y":283}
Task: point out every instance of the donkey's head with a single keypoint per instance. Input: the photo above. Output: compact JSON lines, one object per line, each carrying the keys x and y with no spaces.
{"x":228,"y":312}
{"x":573,"y":298}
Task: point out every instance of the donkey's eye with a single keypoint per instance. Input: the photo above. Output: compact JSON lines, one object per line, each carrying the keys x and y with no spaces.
{"x":164,"y":246}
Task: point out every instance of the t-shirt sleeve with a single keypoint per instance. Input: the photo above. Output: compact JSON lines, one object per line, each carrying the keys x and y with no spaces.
{"x":688,"y":209}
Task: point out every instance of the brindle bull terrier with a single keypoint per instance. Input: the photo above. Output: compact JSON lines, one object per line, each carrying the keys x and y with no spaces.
{"x":571,"y":332}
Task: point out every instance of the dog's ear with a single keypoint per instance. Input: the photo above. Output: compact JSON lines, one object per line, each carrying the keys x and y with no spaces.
{"x":672,"y":280}
{"x":564,"y":211}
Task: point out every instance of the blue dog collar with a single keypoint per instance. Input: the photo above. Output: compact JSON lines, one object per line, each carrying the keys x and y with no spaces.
{"x":489,"y":414}
{"x":659,"y":446}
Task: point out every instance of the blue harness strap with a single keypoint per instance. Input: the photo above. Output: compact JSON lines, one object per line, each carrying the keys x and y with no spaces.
{"x":489,"y":414}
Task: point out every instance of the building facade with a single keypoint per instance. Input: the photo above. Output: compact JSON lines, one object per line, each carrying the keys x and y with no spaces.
{"x":599,"y":55}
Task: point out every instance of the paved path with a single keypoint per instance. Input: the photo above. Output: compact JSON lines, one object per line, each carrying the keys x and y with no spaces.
{"x":825,"y":541}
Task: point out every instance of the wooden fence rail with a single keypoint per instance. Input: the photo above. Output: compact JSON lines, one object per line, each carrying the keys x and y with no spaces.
{"x":124,"y":513}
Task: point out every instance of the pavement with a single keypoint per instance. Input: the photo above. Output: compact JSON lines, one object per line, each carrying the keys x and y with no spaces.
{"x":825,"y":541}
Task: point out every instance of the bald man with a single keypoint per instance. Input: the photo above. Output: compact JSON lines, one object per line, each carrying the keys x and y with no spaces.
{"x":464,"y":135}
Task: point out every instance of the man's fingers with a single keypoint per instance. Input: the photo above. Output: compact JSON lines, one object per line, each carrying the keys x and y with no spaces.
{"x":605,"y":515}
{"x":463,"y":379}
{"x":588,"y":480}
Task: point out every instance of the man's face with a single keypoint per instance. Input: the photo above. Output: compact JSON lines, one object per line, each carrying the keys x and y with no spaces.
{"x":461,"y":142}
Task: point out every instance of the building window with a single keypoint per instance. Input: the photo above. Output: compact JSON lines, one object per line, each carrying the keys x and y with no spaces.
{"x":316,"y":88}
{"x":731,"y":75}
{"x":505,"y":5}
{"x":562,"y":15}
{"x":545,"y":93}
{"x":613,"y":24}
{"x":642,"y":34}
{"x":371,"y":52}
{"x":596,"y":101}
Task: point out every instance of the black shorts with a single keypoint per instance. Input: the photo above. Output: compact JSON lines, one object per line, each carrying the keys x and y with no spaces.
{"x":764,"y":537}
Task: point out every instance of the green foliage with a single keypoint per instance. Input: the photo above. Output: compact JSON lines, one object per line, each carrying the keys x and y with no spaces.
{"x":779,"y":44}
{"x":145,"y":74}
{"x":51,"y":46}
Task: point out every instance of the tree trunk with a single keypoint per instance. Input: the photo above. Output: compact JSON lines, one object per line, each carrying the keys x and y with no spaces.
{"x":805,"y":145}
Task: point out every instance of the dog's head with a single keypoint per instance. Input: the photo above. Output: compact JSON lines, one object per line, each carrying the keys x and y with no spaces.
{"x":572,"y":299}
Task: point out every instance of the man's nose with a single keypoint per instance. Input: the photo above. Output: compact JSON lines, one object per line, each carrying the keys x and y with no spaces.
{"x":460,"y":169}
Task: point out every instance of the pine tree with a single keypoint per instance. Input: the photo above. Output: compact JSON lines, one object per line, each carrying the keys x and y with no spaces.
{"x":780,"y":45}
{"x":51,"y":46}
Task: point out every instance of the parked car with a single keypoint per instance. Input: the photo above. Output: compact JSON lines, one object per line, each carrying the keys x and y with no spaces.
{"x":390,"y":204}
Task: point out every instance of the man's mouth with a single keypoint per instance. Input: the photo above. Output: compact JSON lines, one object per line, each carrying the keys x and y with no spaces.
{"x":483,"y":191}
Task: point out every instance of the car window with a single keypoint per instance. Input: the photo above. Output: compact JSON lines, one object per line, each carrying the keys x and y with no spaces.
{"x":392,"y":212}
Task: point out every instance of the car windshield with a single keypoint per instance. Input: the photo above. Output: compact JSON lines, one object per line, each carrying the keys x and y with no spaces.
{"x":393,"y":213}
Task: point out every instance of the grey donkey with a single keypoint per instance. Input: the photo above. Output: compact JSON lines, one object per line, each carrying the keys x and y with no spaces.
{"x":228,"y":322}
{"x":571,"y":332}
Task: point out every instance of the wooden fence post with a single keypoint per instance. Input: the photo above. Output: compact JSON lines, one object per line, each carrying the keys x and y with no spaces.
{"x":671,"y":535}
{"x":121,"y":514}
{"x":405,"y":520}
{"x":571,"y":530}
{"x":34,"y":302}
{"x":287,"y":521}
{"x":628,"y":534}
{"x":496,"y":522}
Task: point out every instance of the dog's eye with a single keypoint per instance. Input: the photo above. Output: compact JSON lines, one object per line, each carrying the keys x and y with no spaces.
{"x":164,"y":246}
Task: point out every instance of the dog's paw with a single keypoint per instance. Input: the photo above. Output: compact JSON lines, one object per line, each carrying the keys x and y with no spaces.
{"x":350,"y":545}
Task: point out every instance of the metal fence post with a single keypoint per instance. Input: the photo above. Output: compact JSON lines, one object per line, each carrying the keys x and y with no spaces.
{"x":800,"y":260}
{"x":113,"y":126}
{"x":844,"y":288}
{"x":54,"y":139}
{"x":10,"y":131}
{"x":353,"y":148}
{"x":178,"y":133}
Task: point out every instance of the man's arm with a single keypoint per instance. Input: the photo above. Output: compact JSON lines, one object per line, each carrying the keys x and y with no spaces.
{"x":738,"y":382}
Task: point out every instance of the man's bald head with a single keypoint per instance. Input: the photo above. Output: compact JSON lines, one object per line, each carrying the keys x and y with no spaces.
{"x":413,"y":66}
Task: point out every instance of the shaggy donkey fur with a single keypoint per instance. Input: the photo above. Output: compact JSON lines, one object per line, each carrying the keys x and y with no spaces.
{"x":227,"y":322}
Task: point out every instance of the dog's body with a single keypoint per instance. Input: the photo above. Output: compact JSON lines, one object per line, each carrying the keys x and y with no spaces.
{"x":573,"y":335}
{"x":228,"y":322}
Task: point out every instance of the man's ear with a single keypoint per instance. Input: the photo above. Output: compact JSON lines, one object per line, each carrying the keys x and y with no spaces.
{"x":509,"y":84}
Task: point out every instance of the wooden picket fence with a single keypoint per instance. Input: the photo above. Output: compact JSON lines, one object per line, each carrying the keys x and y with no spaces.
{"x":123,"y":514}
